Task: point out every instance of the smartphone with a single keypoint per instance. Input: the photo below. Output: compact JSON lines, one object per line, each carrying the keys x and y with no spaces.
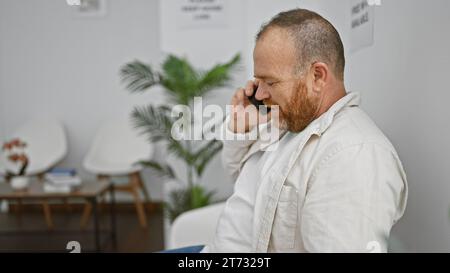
{"x":258,"y":103}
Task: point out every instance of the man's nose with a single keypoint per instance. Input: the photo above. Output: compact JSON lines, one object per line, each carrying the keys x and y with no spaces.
{"x":261,"y":93}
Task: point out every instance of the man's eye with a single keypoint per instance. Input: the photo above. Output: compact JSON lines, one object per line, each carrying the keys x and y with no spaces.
{"x":271,"y":83}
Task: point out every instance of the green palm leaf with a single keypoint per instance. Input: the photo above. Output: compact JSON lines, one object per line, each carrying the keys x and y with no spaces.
{"x":177,"y":148}
{"x":179,"y":78}
{"x":217,"y":77}
{"x":162,"y":170}
{"x":204,"y":155}
{"x":155,"y":122}
{"x":138,"y":76}
{"x":182,"y":200}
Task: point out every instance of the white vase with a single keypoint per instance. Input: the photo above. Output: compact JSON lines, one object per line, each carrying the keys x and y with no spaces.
{"x":20,"y":182}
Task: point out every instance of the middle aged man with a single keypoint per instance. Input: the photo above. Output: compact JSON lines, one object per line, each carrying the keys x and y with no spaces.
{"x":334,"y":183}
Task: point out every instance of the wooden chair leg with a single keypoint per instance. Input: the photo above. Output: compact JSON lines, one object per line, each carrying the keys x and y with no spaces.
{"x":144,"y":190}
{"x":102,"y":200}
{"x":47,"y":214}
{"x":137,"y":200}
{"x":85,"y":216}
{"x":46,"y":206}
{"x":88,"y":207}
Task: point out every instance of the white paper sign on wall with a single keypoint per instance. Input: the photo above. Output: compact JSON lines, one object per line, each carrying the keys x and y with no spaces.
{"x":362,"y":23}
{"x":201,"y":13}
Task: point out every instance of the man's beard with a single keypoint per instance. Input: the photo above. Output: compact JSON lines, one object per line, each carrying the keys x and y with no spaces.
{"x":299,"y":111}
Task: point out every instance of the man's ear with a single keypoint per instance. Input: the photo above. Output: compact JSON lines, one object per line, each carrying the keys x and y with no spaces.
{"x":320,"y":73}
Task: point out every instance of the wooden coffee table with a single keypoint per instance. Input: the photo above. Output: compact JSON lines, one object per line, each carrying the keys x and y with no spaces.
{"x":90,"y":191}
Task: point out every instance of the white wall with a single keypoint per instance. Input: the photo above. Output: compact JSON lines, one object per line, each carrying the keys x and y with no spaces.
{"x":404,"y":81}
{"x":53,"y":63}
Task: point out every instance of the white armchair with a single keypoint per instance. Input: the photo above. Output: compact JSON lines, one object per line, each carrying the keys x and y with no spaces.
{"x":46,"y":144}
{"x":195,"y":227}
{"x":116,"y":148}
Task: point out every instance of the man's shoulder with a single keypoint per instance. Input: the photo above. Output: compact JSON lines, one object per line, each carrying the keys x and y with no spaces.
{"x":352,"y":126}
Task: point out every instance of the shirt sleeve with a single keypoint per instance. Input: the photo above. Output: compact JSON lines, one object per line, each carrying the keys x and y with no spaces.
{"x":235,"y":147}
{"x":354,"y":197}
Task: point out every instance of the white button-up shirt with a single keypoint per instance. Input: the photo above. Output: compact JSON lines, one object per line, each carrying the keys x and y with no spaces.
{"x":338,"y":186}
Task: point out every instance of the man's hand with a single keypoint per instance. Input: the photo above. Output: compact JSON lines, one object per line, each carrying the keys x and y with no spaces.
{"x":244,"y":115}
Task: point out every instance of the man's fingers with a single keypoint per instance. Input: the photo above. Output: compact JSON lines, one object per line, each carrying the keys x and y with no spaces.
{"x":249,"y":88}
{"x":244,"y":114}
{"x":241,"y":95}
{"x":238,"y":97}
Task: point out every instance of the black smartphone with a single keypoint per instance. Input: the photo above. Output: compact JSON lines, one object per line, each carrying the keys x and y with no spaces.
{"x":258,"y":103}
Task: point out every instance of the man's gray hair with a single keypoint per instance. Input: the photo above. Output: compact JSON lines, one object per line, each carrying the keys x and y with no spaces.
{"x":315,"y":38}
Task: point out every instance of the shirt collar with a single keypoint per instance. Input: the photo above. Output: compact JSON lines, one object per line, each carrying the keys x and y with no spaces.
{"x":321,"y":124}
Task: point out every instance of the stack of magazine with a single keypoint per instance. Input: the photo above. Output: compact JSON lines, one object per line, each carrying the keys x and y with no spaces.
{"x":61,"y":180}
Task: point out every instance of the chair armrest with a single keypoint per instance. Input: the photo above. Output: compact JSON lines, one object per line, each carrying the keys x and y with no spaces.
{"x":195,"y":227}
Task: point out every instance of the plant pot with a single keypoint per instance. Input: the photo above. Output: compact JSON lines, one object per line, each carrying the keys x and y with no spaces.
{"x":19,"y":182}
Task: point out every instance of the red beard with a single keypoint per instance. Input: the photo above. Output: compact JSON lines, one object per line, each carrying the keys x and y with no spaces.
{"x":300,"y":111}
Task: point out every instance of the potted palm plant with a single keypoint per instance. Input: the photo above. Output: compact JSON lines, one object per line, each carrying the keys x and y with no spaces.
{"x":182,"y":82}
